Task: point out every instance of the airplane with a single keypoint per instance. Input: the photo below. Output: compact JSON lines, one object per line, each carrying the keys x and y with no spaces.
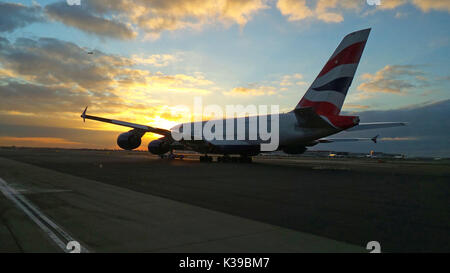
{"x":314,"y":118}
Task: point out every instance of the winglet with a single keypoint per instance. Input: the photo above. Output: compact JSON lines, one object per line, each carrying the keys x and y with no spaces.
{"x":374,"y":139}
{"x":83,"y":115}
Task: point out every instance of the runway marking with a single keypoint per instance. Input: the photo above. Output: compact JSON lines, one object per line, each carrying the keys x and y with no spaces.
{"x":56,"y":233}
{"x":32,"y":191}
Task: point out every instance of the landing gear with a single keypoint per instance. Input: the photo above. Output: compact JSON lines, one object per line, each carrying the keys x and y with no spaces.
{"x":227,"y":159}
{"x":245,"y":159}
{"x":224,"y":159}
{"x":171,"y":156}
{"x":206,"y":158}
{"x":234,"y":159}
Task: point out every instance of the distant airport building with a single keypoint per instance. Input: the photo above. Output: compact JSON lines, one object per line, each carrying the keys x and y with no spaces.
{"x":339,"y":154}
{"x":373,"y":154}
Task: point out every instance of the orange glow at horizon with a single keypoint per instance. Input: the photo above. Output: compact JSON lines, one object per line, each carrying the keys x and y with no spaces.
{"x":37,"y":141}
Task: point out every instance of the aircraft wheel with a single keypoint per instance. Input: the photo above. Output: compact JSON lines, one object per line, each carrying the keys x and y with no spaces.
{"x":245,"y":159}
{"x":224,"y":159}
{"x":206,"y":158}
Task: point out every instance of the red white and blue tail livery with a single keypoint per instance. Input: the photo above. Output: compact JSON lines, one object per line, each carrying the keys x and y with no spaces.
{"x":327,"y":93}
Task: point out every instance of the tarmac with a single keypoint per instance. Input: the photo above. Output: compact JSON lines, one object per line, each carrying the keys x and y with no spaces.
{"x":120,"y":201}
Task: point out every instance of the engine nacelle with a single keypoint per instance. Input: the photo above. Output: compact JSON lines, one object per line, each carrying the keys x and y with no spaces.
{"x":158,"y":147}
{"x":294,"y":149}
{"x":129,"y":140}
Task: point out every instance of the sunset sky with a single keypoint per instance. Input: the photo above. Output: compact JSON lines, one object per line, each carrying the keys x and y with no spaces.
{"x":151,"y":56}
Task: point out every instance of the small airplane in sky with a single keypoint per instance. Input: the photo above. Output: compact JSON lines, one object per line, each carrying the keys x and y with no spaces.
{"x":88,"y":51}
{"x":316,"y":116}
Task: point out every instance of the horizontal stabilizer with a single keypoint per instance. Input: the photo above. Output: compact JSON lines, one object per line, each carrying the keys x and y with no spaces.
{"x":376,"y":125}
{"x":331,"y":140}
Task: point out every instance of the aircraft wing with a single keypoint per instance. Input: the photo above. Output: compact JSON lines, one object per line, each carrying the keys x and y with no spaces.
{"x":376,"y":125}
{"x":144,"y":128}
{"x":330,"y":140}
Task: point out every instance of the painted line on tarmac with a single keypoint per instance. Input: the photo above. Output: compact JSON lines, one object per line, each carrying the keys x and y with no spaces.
{"x":53,"y":231}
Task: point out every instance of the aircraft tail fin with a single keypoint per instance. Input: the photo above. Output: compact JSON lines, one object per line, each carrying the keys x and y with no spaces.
{"x":327,"y":93}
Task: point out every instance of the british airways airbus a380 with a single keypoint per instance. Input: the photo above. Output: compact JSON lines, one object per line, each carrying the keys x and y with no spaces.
{"x":315,"y":117}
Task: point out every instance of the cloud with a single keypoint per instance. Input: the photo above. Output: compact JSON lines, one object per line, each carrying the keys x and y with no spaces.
{"x":83,"y":19}
{"x":52,"y":61}
{"x":266,"y":88}
{"x":179,"y":83}
{"x":118,"y":18}
{"x":395,"y":79}
{"x":400,"y":15}
{"x":38,"y":141}
{"x":293,"y":79}
{"x":425,"y":135}
{"x":157,"y":60}
{"x":355,"y":106}
{"x":48,"y":75}
{"x":423,"y":5}
{"x":125,"y":19}
{"x":36,"y":98}
{"x":391,"y":4}
{"x":241,"y":11}
{"x":180,"y":79}
{"x":14,"y":16}
{"x":427,"y":5}
{"x":251,"y":91}
{"x":330,"y":11}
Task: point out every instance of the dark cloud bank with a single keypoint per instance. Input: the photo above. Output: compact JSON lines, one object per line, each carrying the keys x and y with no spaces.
{"x":428,"y":128}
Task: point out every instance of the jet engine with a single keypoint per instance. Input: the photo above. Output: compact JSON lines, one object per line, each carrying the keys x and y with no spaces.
{"x":158,"y":146}
{"x":130,"y":140}
{"x":294,"y":149}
